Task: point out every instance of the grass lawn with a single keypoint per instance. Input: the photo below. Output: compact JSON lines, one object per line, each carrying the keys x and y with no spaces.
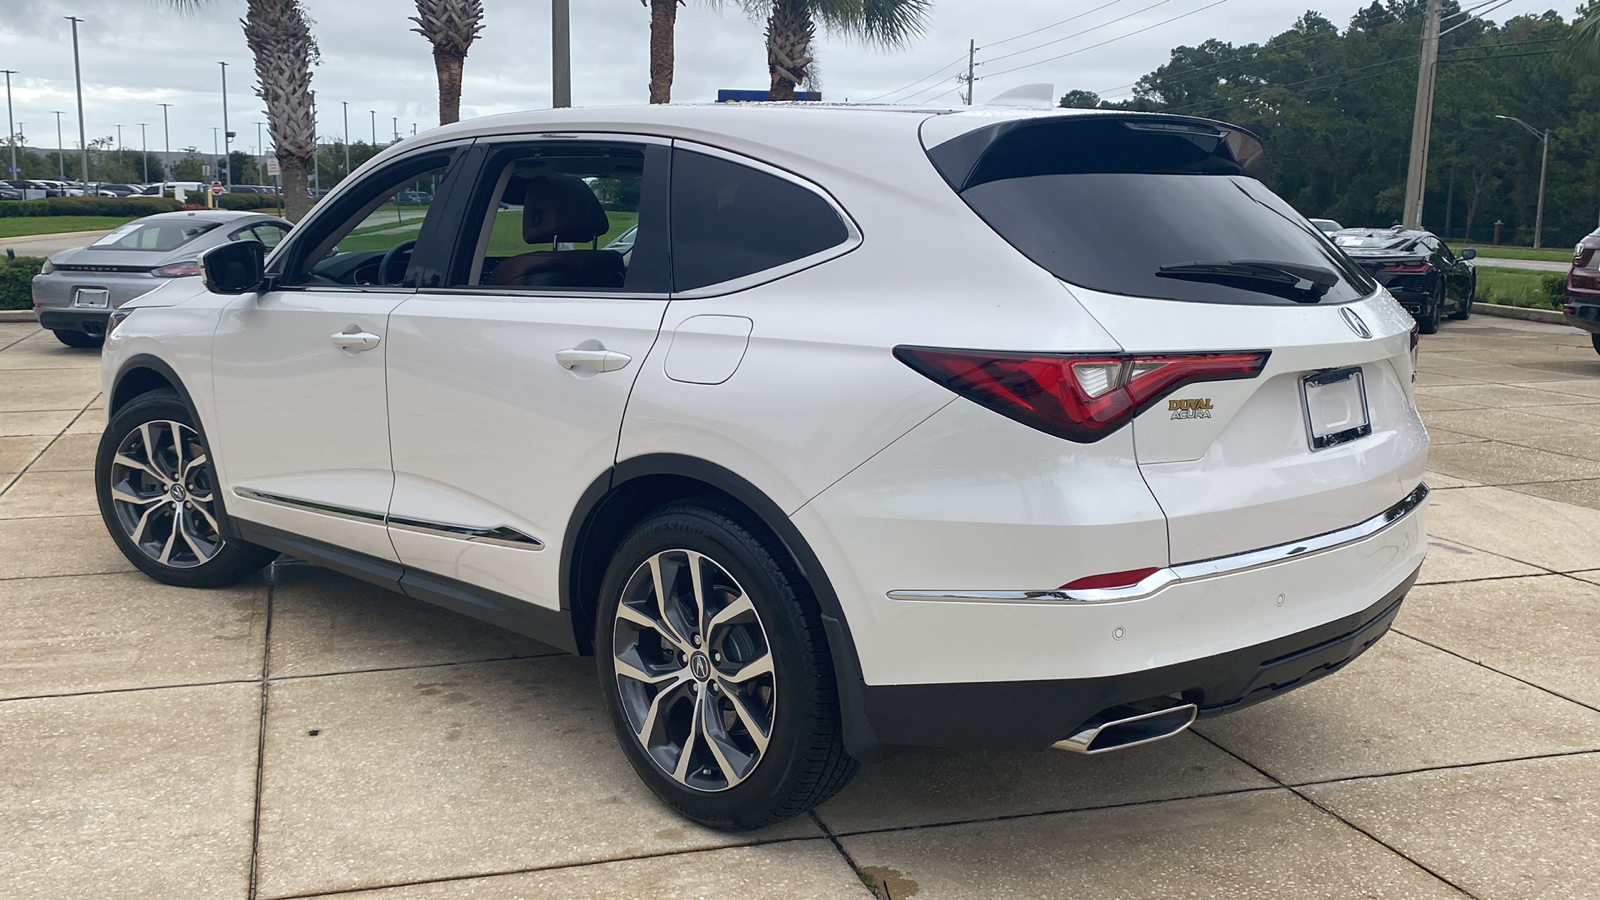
{"x":1511,"y":287}
{"x":1504,"y":252}
{"x":22,"y":226}
{"x":506,"y":238}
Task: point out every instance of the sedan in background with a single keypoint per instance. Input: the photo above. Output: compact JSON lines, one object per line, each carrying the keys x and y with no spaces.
{"x":1327,"y":226}
{"x":1583,"y":287}
{"x":76,"y":290}
{"x":1417,"y":269}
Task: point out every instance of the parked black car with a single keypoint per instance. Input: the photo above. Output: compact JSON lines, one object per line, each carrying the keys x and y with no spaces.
{"x":1418,"y":269}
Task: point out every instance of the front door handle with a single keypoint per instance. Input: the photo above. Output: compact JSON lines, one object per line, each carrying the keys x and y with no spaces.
{"x":355,"y":340}
{"x":598,"y":358}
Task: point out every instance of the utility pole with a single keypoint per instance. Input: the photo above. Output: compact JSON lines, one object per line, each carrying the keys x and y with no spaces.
{"x":394,"y":127}
{"x":1538,"y":216}
{"x":119,"y":139}
{"x":374,"y":129}
{"x":77,"y":73}
{"x":346,"y":137}
{"x":972,"y":53}
{"x":561,"y":53}
{"x":166,"y":135}
{"x":144,"y":151}
{"x":227,"y":136}
{"x":61,"y":152}
{"x":11,"y":125}
{"x":1422,"y":119}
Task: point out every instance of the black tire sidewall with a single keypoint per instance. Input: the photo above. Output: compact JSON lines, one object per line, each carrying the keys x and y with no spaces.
{"x":801,"y":678}
{"x":78,"y":340}
{"x":233,"y":561}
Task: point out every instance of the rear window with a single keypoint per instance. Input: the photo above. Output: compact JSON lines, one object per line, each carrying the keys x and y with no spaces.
{"x":167,"y":235}
{"x":1372,"y":242}
{"x":1147,"y":206}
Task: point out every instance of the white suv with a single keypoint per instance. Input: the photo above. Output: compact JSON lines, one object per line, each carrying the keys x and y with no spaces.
{"x":992,"y":428}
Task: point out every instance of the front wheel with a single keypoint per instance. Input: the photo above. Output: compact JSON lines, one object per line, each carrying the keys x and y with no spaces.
{"x":714,"y":665}
{"x":158,"y":497}
{"x":78,"y":339}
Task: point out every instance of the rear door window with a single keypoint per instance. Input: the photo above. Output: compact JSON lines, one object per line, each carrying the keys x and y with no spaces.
{"x":731,"y":220}
{"x":1148,"y":207}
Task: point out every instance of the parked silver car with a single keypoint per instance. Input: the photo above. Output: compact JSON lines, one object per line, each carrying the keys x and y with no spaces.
{"x":76,"y":290}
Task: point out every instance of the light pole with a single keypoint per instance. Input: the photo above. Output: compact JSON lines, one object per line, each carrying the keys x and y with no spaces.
{"x":61,"y":152}
{"x":227,"y":136}
{"x":144,"y":151}
{"x":166,"y":137}
{"x":394,"y":126}
{"x":261,"y":148}
{"x":374,"y":129}
{"x":1544,"y":137}
{"x":346,"y":137}
{"x":11,"y":125}
{"x":561,"y":53}
{"x":119,"y":139}
{"x":77,"y":73}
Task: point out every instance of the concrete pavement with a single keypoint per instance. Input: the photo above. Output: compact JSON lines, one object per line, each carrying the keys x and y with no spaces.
{"x":304,"y":734}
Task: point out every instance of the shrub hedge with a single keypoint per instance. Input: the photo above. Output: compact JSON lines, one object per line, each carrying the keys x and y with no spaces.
{"x":88,"y":206}
{"x":16,"y":281}
{"x":246,"y":201}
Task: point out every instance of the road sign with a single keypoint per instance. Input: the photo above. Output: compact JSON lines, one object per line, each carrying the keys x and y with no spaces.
{"x":216,"y":188}
{"x":272,"y":168}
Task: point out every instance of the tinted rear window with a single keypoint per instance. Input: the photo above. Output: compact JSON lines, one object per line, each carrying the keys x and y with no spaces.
{"x":1108,"y":204}
{"x":730,"y":220}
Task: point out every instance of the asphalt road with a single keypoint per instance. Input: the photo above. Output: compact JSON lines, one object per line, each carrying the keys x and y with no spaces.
{"x":46,"y":244}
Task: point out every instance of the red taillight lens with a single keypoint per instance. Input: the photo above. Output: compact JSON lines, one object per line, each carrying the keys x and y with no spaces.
{"x":1582,"y":256}
{"x":1080,"y":397}
{"x":1110,"y":580}
{"x":179,"y":270}
{"x":1406,"y":268}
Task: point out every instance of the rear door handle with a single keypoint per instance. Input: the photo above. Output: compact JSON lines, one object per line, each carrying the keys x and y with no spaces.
{"x":355,"y":340}
{"x":599,"y":359}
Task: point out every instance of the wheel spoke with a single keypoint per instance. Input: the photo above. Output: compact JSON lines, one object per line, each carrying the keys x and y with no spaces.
{"x":172,"y":537}
{"x":178,"y":467}
{"x":661,"y":603}
{"x":681,"y":773}
{"x":211,"y":521}
{"x":699,"y":588}
{"x":758,"y":732}
{"x":761,"y":665}
{"x":183,"y":524}
{"x":715,"y":746}
{"x":629,"y":614}
{"x":629,"y":670}
{"x":123,"y":495}
{"x":197,"y":462}
{"x":649,"y":726}
{"x":122,"y":459}
{"x":728,"y":613}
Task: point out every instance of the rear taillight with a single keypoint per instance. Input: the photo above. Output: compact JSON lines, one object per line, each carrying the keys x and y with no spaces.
{"x":1405,"y":268}
{"x":1581,"y":256}
{"x":179,"y":270}
{"x":1080,"y":397}
{"x":47,"y":268}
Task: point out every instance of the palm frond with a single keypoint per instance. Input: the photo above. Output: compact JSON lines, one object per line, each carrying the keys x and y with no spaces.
{"x":1583,"y":42}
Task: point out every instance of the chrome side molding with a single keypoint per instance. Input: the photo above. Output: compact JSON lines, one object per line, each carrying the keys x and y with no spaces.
{"x":499,"y":536}
{"x":1193,"y":571}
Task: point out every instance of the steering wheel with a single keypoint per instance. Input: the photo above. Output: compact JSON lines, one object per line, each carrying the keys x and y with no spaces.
{"x":389,"y":260}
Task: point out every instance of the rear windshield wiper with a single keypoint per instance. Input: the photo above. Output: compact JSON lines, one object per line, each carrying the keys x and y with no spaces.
{"x":1299,"y":281}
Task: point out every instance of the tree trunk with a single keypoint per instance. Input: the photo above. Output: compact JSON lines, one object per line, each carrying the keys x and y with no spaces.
{"x":296,"y":196}
{"x":663,"y":23}
{"x":789,"y":33}
{"x":449,"y":62}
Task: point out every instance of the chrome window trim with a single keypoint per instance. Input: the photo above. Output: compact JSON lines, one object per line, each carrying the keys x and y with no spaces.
{"x":1194,"y":571}
{"x":498,"y":536}
{"x":852,"y":239}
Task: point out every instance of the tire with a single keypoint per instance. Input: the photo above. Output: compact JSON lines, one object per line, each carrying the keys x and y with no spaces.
{"x":1465,"y":312}
{"x":79,"y":339}
{"x":689,"y":709}
{"x":1595,"y":339}
{"x":160,"y":504}
{"x":1428,"y":322}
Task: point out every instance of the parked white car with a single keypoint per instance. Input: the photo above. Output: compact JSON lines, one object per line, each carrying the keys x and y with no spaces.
{"x":1110,"y":439}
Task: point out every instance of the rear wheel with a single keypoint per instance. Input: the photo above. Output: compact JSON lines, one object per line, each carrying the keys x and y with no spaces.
{"x":158,"y":497}
{"x":1428,"y":321}
{"x":1465,"y":311}
{"x":78,"y":339}
{"x":716,"y":670}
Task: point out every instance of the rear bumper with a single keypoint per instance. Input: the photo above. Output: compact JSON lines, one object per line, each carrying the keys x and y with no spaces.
{"x":1583,"y":310}
{"x":1413,"y":301}
{"x":1036,"y":714}
{"x":88,"y":321}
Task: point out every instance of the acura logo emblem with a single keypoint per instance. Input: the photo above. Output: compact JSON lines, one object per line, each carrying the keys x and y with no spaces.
{"x":1355,"y":323}
{"x":700,"y":667}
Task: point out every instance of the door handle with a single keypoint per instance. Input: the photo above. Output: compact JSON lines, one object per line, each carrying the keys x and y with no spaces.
{"x":599,"y":358}
{"x":355,"y":340}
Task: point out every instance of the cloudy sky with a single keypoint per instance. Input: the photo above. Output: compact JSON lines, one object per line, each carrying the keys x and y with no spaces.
{"x":139,"y":53}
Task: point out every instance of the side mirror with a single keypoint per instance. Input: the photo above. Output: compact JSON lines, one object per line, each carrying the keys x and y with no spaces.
{"x":235,"y":267}
{"x":1469,"y":253}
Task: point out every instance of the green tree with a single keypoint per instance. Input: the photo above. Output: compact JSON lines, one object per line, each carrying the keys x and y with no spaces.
{"x":791,"y":25}
{"x":1080,"y":100}
{"x":450,"y":26}
{"x":190,"y":168}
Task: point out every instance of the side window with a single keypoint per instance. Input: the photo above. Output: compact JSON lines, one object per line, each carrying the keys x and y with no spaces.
{"x":730,"y":220}
{"x":566,"y":216}
{"x":269,"y":233}
{"x":372,"y":233}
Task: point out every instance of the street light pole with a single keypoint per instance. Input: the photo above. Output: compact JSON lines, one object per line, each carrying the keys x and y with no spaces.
{"x":61,"y":151}
{"x":227,"y":136}
{"x":374,"y":129}
{"x":144,"y":151}
{"x":11,"y":125}
{"x":261,"y":149}
{"x":166,"y":136}
{"x":561,"y":53}
{"x":77,"y":74}
{"x":1544,"y":164}
{"x":346,"y":137}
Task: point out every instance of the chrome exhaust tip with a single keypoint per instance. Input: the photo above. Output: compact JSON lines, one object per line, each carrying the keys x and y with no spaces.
{"x":1130,"y":725}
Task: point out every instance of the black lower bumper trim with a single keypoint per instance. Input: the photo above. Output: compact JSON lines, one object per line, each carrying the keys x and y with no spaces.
{"x":1583,"y":314}
{"x":1036,"y":714}
{"x":87,"y":321}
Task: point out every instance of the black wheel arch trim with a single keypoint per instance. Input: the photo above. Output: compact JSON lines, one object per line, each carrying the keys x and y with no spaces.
{"x":860,"y":737}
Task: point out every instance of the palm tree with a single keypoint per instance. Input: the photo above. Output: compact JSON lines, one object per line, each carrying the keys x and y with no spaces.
{"x":278,"y":32}
{"x":791,"y":24}
{"x":1584,"y":39}
{"x":451,"y":26}
{"x":663,"y":23}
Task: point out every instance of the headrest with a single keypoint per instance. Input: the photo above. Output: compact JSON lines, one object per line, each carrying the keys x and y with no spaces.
{"x":561,"y":208}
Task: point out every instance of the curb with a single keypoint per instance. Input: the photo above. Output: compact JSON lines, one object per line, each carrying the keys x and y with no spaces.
{"x":1548,"y":316}
{"x":18,"y":315}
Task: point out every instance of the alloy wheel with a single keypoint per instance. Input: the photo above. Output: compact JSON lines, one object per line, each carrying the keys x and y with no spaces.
{"x":164,"y":494}
{"x":694,"y":670}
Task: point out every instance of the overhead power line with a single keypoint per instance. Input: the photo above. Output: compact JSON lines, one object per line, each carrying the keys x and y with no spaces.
{"x":1105,"y":42}
{"x":1077,"y":33}
{"x":938,"y":71}
{"x":1053,"y":24}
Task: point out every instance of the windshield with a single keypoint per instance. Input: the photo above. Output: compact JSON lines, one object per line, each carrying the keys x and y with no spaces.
{"x":159,"y":236}
{"x":1152,"y":209}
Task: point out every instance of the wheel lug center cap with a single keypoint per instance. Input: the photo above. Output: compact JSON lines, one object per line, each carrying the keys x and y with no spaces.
{"x":177,"y":493}
{"x":700,"y":667}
